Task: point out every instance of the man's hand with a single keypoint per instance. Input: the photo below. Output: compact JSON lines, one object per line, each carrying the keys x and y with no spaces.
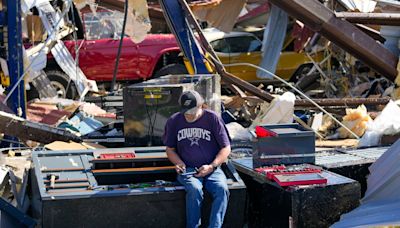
{"x":180,"y":168}
{"x":204,"y":170}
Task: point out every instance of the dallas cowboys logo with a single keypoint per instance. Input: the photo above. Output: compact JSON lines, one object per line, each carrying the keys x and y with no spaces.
{"x":194,"y":141}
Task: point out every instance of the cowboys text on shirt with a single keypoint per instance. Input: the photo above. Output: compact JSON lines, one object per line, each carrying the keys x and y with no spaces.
{"x":194,"y":133}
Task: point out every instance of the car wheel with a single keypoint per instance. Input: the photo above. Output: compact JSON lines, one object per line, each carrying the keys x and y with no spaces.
{"x":174,"y":68}
{"x":62,"y":84}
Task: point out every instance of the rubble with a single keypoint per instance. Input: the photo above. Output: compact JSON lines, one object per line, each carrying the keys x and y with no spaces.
{"x":350,"y":72}
{"x":27,"y":130}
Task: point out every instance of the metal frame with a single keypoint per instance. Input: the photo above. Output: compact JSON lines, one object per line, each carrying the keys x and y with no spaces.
{"x":15,"y":56}
{"x":177,"y":23}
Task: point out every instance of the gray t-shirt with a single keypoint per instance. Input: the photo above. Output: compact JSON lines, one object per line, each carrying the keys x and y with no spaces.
{"x":197,"y":143}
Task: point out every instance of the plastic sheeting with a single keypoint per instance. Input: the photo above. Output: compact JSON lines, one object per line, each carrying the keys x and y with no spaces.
{"x":274,"y":35}
{"x":238,"y":132}
{"x":280,"y":111}
{"x":381,"y":204}
{"x":138,"y":21}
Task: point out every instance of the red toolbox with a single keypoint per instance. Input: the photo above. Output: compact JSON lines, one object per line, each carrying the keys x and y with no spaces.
{"x":293,"y":175}
{"x":118,"y":155}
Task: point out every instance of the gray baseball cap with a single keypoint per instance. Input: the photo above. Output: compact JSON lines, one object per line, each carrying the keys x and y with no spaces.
{"x":190,"y":99}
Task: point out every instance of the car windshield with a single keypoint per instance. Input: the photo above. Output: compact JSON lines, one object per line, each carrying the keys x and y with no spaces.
{"x":103,"y":25}
{"x":241,"y":44}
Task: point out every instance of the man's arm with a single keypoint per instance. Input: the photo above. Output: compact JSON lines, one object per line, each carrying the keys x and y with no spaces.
{"x":180,"y":166}
{"x":221,"y":157}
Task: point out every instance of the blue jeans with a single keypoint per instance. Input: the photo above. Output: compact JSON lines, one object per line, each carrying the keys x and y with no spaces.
{"x":215,"y":184}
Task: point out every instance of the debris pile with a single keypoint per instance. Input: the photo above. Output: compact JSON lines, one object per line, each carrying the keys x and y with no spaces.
{"x":314,"y":85}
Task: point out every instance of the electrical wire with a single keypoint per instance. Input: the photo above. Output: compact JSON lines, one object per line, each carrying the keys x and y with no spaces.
{"x":114,"y":79}
{"x":297,"y":90}
{"x":49,"y":38}
{"x":152,"y":121}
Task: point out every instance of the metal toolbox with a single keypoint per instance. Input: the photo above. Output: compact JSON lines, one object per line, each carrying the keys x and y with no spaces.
{"x":271,"y":205}
{"x":149,"y":104}
{"x":292,"y":144}
{"x":95,"y":189}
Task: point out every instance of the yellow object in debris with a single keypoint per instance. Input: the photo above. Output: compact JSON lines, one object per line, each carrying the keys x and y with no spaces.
{"x":396,"y":92}
{"x":356,"y":120}
{"x":190,"y":68}
{"x":5,"y":79}
{"x":4,"y":74}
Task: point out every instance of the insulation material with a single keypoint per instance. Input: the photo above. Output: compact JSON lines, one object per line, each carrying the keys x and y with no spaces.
{"x":387,"y":123}
{"x":381,"y":204}
{"x":138,"y":21}
{"x":223,"y":16}
{"x":356,"y":120}
{"x":274,"y":36}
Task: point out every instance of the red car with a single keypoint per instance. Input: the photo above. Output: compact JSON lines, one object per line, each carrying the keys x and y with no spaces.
{"x":157,"y":55}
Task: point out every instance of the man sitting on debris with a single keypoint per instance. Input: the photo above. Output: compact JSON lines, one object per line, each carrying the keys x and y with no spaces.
{"x":198,"y":143}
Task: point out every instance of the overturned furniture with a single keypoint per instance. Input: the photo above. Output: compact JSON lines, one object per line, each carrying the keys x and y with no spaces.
{"x":126,"y":187}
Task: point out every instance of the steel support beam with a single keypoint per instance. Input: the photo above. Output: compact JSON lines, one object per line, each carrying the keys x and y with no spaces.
{"x":321,"y":19}
{"x":371,"y":18}
{"x":15,"y":57}
{"x":184,"y":35}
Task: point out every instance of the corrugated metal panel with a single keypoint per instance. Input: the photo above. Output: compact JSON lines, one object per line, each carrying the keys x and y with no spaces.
{"x":381,"y":204}
{"x":369,"y":153}
{"x":331,"y":159}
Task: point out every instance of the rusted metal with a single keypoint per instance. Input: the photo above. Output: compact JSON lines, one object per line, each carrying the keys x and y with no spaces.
{"x":371,"y":18}
{"x":347,"y":102}
{"x":321,"y":19}
{"x":371,"y":32}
